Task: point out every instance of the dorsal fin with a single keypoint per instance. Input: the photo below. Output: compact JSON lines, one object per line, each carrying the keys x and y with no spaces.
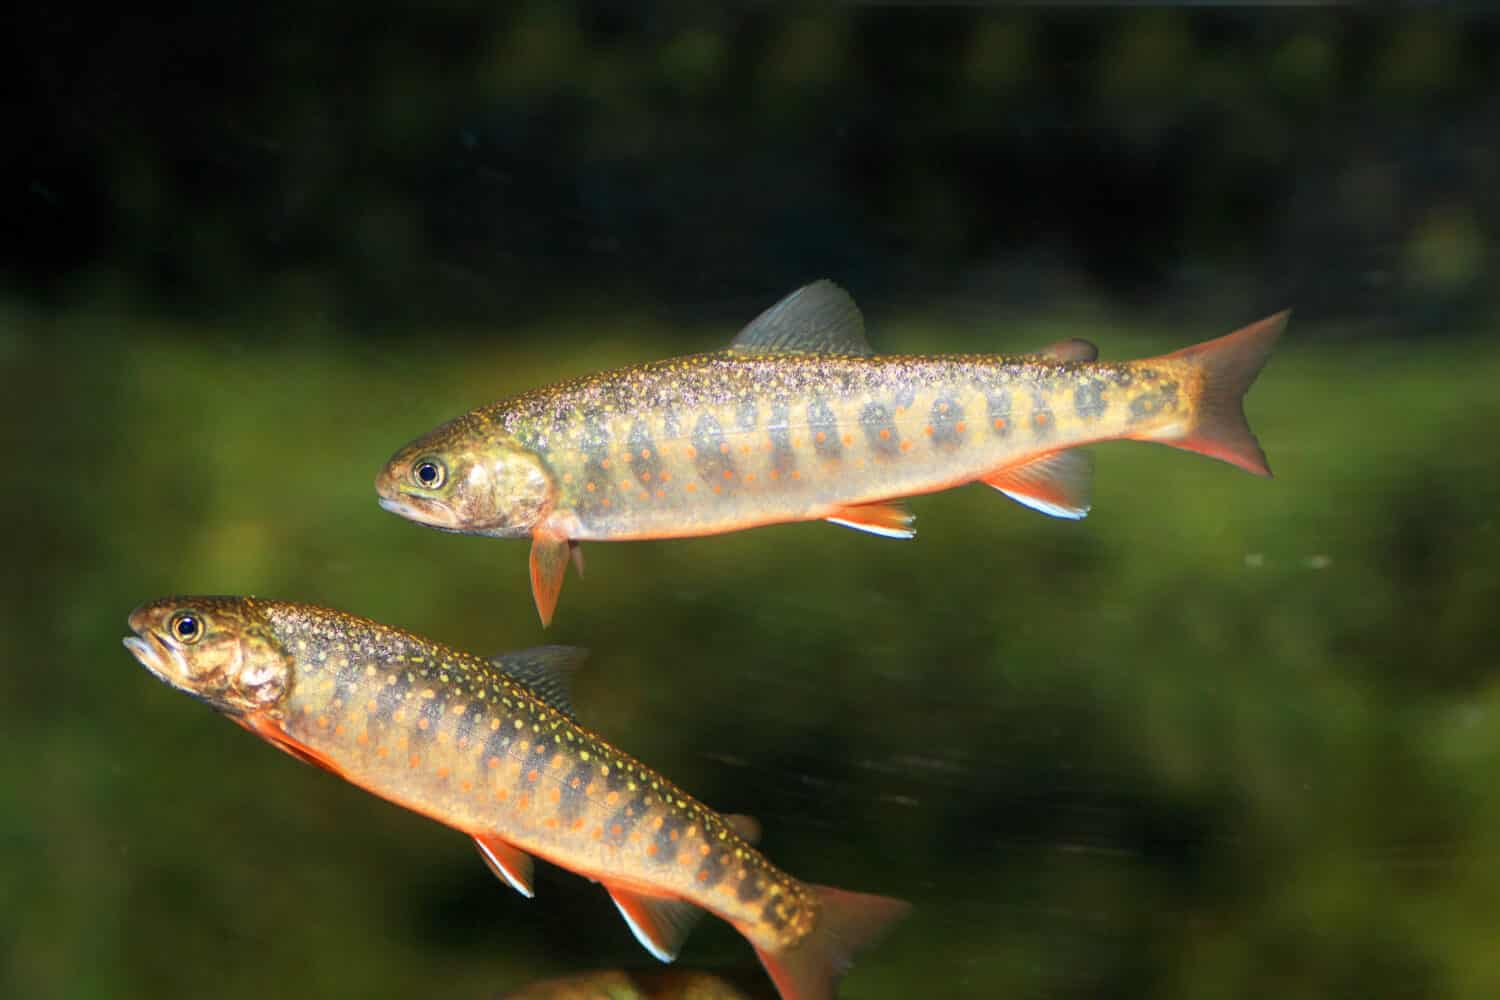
{"x":819,"y":318}
{"x":659,"y":923}
{"x":547,"y":671}
{"x":1072,"y":349}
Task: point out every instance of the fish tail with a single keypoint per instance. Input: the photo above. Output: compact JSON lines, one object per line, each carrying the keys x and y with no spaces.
{"x":1228,"y":366}
{"x":847,"y":923}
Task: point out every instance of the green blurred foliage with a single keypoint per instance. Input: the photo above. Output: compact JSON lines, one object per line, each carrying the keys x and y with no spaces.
{"x":1226,"y":737}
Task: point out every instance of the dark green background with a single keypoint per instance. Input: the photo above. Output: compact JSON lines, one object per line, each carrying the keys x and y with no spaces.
{"x":1226,"y":737}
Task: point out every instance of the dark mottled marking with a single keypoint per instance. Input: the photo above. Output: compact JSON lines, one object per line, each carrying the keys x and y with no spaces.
{"x":645,"y":460}
{"x":1122,"y":377}
{"x":666,"y":847}
{"x":945,"y":417}
{"x":875,"y":418}
{"x":463,"y":726}
{"x":775,"y":913}
{"x":820,"y":420}
{"x":1043,"y":423}
{"x":390,"y":697}
{"x":747,"y":415}
{"x":1148,"y":404}
{"x":710,"y":871}
{"x":712,"y":462}
{"x":783,"y":455}
{"x":671,"y":425}
{"x":574,"y":801}
{"x":430,"y":709}
{"x":626,"y":817}
{"x":1088,"y":399}
{"x":906,"y":395}
{"x":594,"y":442}
{"x":497,"y":744}
{"x":752,"y":887}
{"x":999,"y":400}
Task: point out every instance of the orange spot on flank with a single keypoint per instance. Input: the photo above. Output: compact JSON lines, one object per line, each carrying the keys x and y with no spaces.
{"x":999,"y":423}
{"x":338,"y":730}
{"x":775,"y":473}
{"x":322,"y":722}
{"x":414,"y":760}
{"x":422,"y":723}
{"x":590,"y":487}
{"x":821,"y":436}
{"x":960,"y":427}
{"x":532,"y":775}
{"x":1041,"y":418}
{"x":603,"y":463}
{"x":692,"y":487}
{"x":885,"y":433}
{"x":645,"y":452}
{"x":848,"y":440}
{"x":927,"y":430}
{"x":493,"y":762}
{"x":749,"y":477}
{"x":718,"y":489}
{"x":615,"y":830}
{"x":906,"y":445}
{"x":551,"y":823}
{"x":651,"y":850}
{"x":363,"y":738}
{"x":724,"y":447}
{"x":442,"y":772}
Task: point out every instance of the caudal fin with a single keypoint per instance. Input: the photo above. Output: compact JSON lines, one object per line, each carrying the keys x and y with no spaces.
{"x":1229,"y":365}
{"x":847,"y":923}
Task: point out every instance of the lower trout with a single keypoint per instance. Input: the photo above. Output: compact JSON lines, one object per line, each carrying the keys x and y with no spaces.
{"x":798,"y":420}
{"x":491,"y":748}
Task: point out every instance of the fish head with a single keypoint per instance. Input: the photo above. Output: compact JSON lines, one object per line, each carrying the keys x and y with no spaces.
{"x":471,"y":477}
{"x":220,"y":650}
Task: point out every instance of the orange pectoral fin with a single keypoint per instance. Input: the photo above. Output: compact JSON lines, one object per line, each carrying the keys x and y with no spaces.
{"x":549,"y":563}
{"x":659,"y":923}
{"x":272,"y":733}
{"x":888,"y":518}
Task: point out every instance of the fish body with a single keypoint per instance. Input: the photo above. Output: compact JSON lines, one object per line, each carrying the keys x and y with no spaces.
{"x":490,"y":747}
{"x":798,"y":420}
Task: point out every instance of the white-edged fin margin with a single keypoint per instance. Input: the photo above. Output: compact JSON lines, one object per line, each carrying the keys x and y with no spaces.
{"x":511,"y":864}
{"x":875,"y":529}
{"x":660,"y":924}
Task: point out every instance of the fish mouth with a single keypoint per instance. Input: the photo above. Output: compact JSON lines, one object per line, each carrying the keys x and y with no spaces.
{"x":420,"y":511}
{"x":152,"y":655}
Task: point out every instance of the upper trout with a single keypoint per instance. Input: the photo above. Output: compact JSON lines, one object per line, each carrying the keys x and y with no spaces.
{"x":491,"y":748}
{"x":798,"y":420}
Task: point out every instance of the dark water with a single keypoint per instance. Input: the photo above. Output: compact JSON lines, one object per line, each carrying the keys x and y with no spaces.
{"x":1225,"y":737}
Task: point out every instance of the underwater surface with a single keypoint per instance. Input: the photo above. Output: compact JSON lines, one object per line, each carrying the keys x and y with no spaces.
{"x":1226,"y":736}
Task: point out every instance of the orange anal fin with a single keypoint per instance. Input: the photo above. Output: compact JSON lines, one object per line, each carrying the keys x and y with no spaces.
{"x":270,"y":731}
{"x":1228,"y":365}
{"x":847,"y":923}
{"x":659,"y":923}
{"x":549,"y":562}
{"x":1055,"y":484}
{"x":512,"y":865}
{"x":888,"y":518}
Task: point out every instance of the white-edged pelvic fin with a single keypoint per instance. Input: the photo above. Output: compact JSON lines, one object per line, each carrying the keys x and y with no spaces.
{"x":1056,"y":485}
{"x":819,"y":318}
{"x":511,"y":864}
{"x":886,"y":518}
{"x":547,"y":670}
{"x":660,"y":924}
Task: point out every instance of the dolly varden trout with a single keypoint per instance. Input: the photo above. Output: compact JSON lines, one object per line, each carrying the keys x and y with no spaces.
{"x":798,"y":420}
{"x":491,"y":748}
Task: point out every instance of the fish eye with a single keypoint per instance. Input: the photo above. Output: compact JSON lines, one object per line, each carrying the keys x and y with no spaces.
{"x":428,"y":473}
{"x":186,"y":627}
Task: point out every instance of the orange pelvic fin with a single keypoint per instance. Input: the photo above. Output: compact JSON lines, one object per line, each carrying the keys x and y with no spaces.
{"x":270,"y":731}
{"x":510,"y":864}
{"x":889,"y":518}
{"x":577,"y":552}
{"x":659,"y":923}
{"x":1055,"y":484}
{"x":847,"y":923}
{"x":549,"y":563}
{"x":1229,"y":365}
